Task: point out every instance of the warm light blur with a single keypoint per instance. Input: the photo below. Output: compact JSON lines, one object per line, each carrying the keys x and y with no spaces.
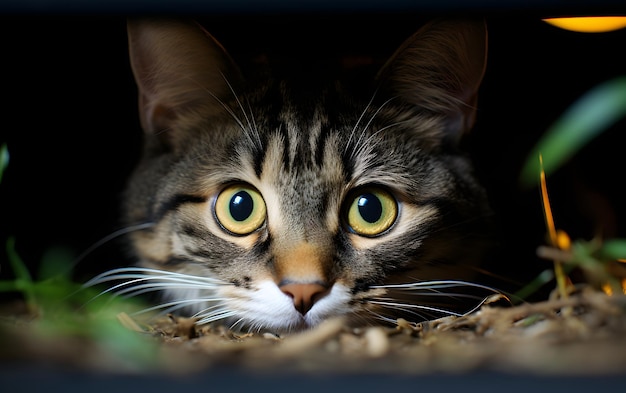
{"x":606,"y":288}
{"x":595,"y":24}
{"x":562,"y":240}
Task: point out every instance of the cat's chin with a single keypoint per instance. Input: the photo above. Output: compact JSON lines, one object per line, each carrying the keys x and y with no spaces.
{"x":266,"y":308}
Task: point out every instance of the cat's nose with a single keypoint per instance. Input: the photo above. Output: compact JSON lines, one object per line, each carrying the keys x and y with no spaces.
{"x":304,"y":295}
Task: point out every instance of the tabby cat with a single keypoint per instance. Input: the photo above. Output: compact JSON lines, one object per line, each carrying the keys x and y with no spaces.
{"x":274,"y":202}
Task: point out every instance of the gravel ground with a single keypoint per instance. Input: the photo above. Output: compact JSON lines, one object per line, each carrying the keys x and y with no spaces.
{"x":583,"y":335}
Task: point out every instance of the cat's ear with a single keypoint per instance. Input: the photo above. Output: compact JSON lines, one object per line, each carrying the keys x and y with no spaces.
{"x":439,"y":69}
{"x":182,"y":73}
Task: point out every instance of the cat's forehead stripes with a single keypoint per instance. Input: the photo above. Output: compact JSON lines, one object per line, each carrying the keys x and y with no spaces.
{"x":338,"y":139}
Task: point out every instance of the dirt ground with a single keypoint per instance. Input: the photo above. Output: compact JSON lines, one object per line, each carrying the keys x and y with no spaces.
{"x":584,"y":334}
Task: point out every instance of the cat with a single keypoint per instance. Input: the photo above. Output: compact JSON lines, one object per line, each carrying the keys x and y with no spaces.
{"x":272,"y":202}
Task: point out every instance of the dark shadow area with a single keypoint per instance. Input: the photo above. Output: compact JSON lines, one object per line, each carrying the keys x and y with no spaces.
{"x":70,"y":121}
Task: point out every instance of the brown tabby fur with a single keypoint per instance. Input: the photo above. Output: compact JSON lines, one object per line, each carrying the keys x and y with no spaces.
{"x":310,"y":145}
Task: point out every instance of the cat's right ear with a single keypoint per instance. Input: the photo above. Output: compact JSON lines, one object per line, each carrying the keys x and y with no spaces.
{"x":440,"y":69}
{"x":182,"y":74}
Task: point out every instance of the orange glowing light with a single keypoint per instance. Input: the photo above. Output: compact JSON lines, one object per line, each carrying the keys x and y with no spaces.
{"x":589,"y":24}
{"x":607,"y":289}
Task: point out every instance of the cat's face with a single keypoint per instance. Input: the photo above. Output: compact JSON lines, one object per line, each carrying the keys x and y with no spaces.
{"x":289,"y":201}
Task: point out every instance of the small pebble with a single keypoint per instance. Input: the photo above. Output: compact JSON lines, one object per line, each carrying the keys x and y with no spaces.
{"x":377,"y":342}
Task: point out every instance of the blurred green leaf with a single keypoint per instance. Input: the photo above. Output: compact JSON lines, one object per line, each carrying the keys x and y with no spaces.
{"x":4,"y":159}
{"x":591,"y":114}
{"x":56,"y":262}
{"x":614,"y":249}
{"x":23,"y":280}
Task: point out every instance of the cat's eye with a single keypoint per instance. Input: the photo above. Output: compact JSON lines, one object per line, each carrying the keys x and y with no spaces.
{"x":371,"y":212}
{"x":240,"y":209}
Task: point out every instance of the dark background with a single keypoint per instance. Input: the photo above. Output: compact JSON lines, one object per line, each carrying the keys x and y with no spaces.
{"x":69,"y":116}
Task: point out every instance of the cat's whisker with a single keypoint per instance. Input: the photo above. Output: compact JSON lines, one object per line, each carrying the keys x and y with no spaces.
{"x":208,"y":311}
{"x":380,"y":108}
{"x":131,"y":289}
{"x":360,"y":144}
{"x":393,"y":320}
{"x":251,"y":124}
{"x":169,"y":307}
{"x":137,"y":290}
{"x":381,"y":317}
{"x":478,"y":306}
{"x":218,"y":315}
{"x":368,"y":143}
{"x":356,"y":125}
{"x":436,"y":284}
{"x":108,"y":238}
{"x":451,"y":295}
{"x":215,"y":318}
{"x":228,"y":110}
{"x":433,"y":311}
{"x":430,"y":289}
{"x":255,"y":127}
{"x":137,"y":281}
{"x":407,"y":306}
{"x":232,"y":327}
{"x":148,"y":274}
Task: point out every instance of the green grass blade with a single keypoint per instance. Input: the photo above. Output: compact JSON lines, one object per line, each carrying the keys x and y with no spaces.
{"x":4,"y":159}
{"x":23,"y":279}
{"x":19,"y":267}
{"x":614,"y":249}
{"x":593,"y":113}
{"x":8,"y":286}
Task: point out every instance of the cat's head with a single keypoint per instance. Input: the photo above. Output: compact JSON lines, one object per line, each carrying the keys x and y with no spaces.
{"x":276,"y":203}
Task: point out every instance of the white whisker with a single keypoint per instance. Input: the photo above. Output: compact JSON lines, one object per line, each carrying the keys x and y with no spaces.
{"x":380,"y":317}
{"x":149,"y":274}
{"x":137,"y":290}
{"x":232,"y":327}
{"x":479,"y":305}
{"x":109,"y":237}
{"x":360,"y":145}
{"x":251,"y":124}
{"x":369,"y":104}
{"x":432,"y":285}
{"x":255,"y":127}
{"x":405,"y":306}
{"x":174,"y":305}
{"x":217,"y":316}
{"x":138,"y":281}
{"x":431,"y":289}
{"x":227,"y":108}
{"x":207,"y":311}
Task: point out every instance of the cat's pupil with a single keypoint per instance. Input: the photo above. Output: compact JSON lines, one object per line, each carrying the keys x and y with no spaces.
{"x":370,"y":208}
{"x":241,"y":206}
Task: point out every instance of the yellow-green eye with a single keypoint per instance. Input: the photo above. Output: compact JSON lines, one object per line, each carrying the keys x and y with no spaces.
{"x":240,"y":209}
{"x":372,"y":211}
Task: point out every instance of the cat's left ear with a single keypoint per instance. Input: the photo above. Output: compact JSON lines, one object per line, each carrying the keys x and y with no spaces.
{"x":183,"y":75}
{"x":439,"y":69}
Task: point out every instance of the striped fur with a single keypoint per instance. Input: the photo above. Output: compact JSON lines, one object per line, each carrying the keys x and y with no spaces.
{"x":307,"y":145}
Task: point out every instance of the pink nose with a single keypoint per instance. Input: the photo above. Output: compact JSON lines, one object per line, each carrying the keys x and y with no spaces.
{"x":304,"y":295}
